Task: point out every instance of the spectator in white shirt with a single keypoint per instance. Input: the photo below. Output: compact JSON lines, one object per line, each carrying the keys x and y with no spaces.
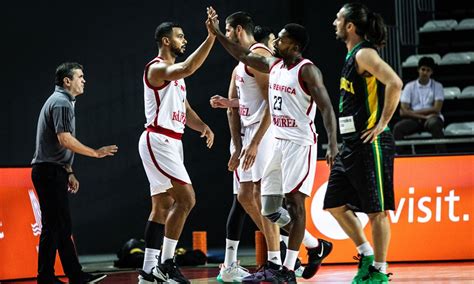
{"x":421,"y":103}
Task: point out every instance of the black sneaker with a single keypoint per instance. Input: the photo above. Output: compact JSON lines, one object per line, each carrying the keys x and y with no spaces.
{"x":264,"y":273}
{"x":171,"y":271}
{"x":90,"y":278}
{"x":148,"y":278}
{"x":283,"y":255}
{"x":284,"y":276}
{"x":315,"y":257}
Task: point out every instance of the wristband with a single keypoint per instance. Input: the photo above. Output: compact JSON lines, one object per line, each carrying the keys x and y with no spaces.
{"x":70,"y":173}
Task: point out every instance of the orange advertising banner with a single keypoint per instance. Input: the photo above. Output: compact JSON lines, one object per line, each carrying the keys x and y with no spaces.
{"x":20,"y":225}
{"x":434,"y":199}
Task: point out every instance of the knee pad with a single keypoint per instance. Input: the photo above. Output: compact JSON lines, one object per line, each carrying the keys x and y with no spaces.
{"x":281,"y":217}
{"x":272,"y":210}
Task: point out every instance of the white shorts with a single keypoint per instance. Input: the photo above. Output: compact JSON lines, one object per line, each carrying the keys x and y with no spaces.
{"x":264,"y":153}
{"x":292,"y":167}
{"x":162,"y":158}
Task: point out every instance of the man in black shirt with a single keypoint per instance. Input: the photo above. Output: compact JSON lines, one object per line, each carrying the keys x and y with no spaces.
{"x":53,"y":176}
{"x":361,"y":178}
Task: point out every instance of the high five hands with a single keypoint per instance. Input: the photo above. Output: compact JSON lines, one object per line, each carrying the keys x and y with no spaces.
{"x":212,"y":21}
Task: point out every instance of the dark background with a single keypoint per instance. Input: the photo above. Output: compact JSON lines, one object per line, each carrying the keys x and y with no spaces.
{"x":114,"y":40}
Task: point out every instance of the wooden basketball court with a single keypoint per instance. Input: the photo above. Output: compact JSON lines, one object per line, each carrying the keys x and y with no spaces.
{"x":446,"y":272}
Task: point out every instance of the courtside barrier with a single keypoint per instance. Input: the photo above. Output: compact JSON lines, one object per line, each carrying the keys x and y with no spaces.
{"x":20,"y":225}
{"x":434,"y":199}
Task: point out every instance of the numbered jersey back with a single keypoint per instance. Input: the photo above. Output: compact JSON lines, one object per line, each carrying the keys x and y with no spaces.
{"x":291,"y":106}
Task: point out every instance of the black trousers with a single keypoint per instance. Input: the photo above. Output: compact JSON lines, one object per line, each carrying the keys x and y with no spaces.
{"x":433,"y":125}
{"x":51,"y":184}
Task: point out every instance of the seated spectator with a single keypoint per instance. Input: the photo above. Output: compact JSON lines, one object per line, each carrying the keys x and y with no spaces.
{"x":421,"y":104}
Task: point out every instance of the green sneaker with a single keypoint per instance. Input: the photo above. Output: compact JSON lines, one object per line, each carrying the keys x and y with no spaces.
{"x":364,"y":262}
{"x":376,"y":277}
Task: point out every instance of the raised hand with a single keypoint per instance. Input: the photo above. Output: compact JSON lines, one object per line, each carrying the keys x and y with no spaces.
{"x":212,"y":21}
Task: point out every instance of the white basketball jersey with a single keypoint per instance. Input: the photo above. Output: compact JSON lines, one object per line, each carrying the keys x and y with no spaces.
{"x":165,"y":106}
{"x":251,"y":102}
{"x":291,"y":106}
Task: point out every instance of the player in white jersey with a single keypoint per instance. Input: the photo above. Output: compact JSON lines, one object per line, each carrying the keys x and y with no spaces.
{"x":251,"y":119}
{"x":237,"y":213}
{"x":167,"y":113}
{"x":292,"y":102}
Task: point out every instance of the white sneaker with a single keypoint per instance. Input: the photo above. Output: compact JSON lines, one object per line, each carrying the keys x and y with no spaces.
{"x":299,"y":271}
{"x":142,"y":280}
{"x":159,"y":276}
{"x":233,"y":274}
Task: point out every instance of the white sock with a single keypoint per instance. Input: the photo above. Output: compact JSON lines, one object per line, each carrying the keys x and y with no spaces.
{"x":274,"y":256}
{"x":365,"y":249}
{"x":309,"y":241}
{"x":230,"y":252}
{"x":169,"y":247}
{"x":284,"y":239}
{"x":381,"y":266}
{"x":290,"y":259}
{"x":150,"y":259}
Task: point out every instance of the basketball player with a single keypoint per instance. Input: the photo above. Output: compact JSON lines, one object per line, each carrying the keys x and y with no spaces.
{"x":248,"y":126}
{"x":261,"y":34}
{"x":236,"y":217}
{"x":167,"y":112}
{"x":295,"y":87}
{"x":361,"y":179}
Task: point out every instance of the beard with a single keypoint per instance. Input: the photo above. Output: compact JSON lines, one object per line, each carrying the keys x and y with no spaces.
{"x":233,"y":38}
{"x":277,"y":53}
{"x":342,"y":36}
{"x":177,"y":51}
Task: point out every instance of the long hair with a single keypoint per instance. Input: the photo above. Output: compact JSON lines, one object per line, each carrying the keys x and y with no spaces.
{"x":369,"y":25}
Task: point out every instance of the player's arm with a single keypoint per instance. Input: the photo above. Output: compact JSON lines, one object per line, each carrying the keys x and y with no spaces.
{"x":369,"y":60}
{"x":233,"y":117}
{"x":217,"y":101}
{"x":194,"y":122}
{"x":261,"y":78}
{"x":162,"y":71}
{"x":262,"y":83}
{"x":240,"y":53}
{"x":233,"y":102}
{"x":250,"y":153}
{"x":313,"y":80}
